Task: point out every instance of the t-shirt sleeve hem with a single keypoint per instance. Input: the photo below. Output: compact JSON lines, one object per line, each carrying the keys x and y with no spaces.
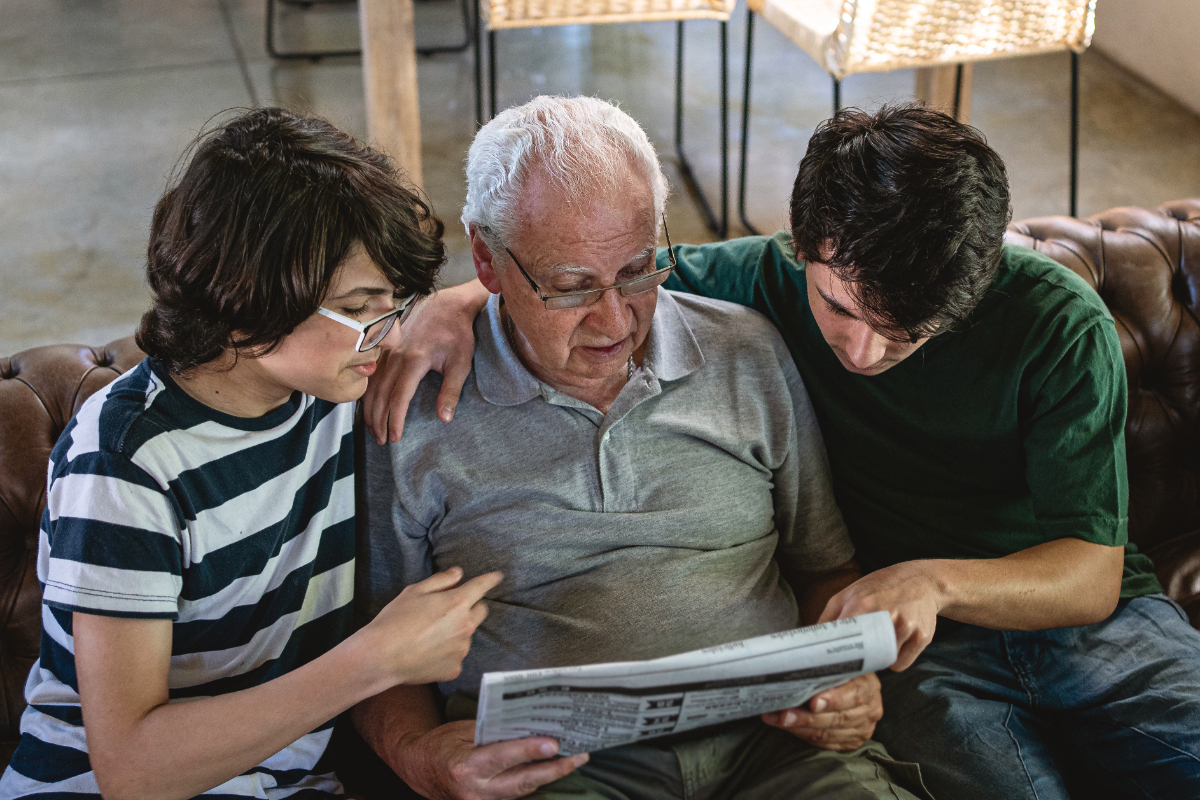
{"x":1107,"y":530}
{"x":107,"y":612}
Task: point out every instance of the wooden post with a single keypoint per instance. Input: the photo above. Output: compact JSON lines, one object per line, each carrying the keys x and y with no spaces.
{"x":390,"y":77}
{"x":944,"y":89}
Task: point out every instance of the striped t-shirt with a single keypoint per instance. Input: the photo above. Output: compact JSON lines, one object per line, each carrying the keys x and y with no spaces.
{"x":241,"y":531}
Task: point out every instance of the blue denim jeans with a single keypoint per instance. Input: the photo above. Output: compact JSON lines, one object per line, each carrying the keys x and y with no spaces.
{"x":1098,"y":711}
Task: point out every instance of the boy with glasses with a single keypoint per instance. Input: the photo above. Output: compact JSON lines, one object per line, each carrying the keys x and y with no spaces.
{"x":197,"y":549}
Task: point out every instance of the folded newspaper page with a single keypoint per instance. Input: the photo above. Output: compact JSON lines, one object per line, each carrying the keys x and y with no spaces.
{"x":595,"y":706}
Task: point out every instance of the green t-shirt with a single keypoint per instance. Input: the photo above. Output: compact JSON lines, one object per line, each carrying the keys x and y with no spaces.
{"x":1002,"y":434}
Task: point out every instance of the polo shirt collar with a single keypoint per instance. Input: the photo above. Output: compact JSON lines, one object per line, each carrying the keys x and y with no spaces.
{"x":672,"y":352}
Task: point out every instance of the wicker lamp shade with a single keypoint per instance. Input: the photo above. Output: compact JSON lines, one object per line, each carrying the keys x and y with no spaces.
{"x":849,"y":36}
{"x":538,"y":13}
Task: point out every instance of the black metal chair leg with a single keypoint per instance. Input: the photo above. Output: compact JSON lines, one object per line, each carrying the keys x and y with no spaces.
{"x":491,"y":75}
{"x":679,"y":86}
{"x":1074,"y":132}
{"x":478,"y":67}
{"x":746,"y":126}
{"x":718,"y":225}
{"x":724,"y":130}
{"x":958,"y":81}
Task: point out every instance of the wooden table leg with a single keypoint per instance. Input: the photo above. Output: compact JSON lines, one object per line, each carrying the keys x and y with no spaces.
{"x":945,"y":89}
{"x":390,"y":76}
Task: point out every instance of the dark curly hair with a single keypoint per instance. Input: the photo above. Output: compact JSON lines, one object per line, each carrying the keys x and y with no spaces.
{"x":909,"y":207}
{"x":244,"y":245}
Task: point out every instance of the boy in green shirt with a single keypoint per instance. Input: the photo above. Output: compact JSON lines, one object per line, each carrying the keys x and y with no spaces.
{"x":972,"y":398}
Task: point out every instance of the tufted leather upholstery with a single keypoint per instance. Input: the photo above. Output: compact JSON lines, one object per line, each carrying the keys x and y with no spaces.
{"x":1146,"y":267}
{"x":1145,"y":264}
{"x":40,"y":390}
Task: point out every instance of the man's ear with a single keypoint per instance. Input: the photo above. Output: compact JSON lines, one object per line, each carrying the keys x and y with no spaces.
{"x":485,"y":269}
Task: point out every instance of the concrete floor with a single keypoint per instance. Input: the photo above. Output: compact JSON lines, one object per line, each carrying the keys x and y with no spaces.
{"x":98,"y":99}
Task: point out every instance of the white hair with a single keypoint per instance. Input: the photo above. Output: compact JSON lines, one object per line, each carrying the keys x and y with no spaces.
{"x":585,"y":146}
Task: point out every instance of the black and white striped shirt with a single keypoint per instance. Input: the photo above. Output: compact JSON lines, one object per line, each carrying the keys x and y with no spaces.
{"x":241,"y":531}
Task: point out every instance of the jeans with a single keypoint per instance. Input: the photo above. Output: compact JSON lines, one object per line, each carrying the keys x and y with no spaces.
{"x":1098,"y":711}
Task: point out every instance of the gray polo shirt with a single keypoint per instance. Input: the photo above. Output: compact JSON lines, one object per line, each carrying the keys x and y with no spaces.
{"x":650,"y":530}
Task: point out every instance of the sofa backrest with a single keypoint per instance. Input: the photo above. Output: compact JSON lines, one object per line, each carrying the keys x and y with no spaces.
{"x":40,"y":390}
{"x":1146,"y":267}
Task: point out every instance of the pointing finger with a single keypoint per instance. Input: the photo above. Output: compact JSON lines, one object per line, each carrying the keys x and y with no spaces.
{"x":477,"y":587}
{"x":440,"y":581}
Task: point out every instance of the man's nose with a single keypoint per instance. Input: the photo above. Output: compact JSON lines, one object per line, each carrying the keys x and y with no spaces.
{"x":865,"y":347}
{"x":608,"y":315}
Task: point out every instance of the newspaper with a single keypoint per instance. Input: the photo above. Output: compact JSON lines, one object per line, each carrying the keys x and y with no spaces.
{"x":591,"y":707}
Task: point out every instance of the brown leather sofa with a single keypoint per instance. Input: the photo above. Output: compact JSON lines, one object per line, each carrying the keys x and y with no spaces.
{"x":1145,"y":264}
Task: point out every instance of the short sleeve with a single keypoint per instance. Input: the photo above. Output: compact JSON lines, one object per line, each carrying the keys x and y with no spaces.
{"x":812,"y":533}
{"x":111,"y":540}
{"x":1075,"y":445}
{"x":396,"y":552}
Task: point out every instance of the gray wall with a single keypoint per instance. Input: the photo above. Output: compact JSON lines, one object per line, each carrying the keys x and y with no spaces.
{"x":1157,"y":39}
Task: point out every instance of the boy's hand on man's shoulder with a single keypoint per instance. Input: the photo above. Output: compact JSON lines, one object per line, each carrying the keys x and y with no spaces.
{"x":438,"y":336}
{"x":445,"y":764}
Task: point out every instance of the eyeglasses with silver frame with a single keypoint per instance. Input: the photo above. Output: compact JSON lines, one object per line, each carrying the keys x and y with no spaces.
{"x":587,"y":297}
{"x":374,"y":331}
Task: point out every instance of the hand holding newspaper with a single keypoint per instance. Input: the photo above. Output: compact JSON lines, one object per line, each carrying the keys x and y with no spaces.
{"x":595,"y":706}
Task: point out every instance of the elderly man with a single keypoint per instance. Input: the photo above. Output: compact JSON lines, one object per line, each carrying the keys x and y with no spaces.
{"x":645,"y":469}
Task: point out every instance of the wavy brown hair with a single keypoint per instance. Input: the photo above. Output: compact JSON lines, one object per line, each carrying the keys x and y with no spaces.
{"x":909,"y":207}
{"x":245,"y":243}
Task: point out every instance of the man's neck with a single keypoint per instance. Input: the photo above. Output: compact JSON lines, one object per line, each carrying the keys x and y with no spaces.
{"x":232,"y":386}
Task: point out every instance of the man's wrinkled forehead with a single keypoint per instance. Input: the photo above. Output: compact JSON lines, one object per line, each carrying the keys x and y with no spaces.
{"x":566,"y":236}
{"x":571,"y":266}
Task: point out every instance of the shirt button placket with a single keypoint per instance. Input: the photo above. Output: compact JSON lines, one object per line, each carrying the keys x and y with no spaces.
{"x":602,"y":470}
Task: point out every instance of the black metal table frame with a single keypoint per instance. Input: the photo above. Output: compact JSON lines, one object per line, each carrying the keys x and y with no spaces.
{"x":317,"y":55}
{"x":718,"y":224}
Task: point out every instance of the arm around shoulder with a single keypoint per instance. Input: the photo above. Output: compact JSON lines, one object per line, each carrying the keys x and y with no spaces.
{"x":439,"y":336}
{"x":731,"y":270}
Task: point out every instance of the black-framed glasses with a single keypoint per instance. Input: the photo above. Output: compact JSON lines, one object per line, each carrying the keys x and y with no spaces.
{"x":374,"y":331}
{"x":587,"y":297}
